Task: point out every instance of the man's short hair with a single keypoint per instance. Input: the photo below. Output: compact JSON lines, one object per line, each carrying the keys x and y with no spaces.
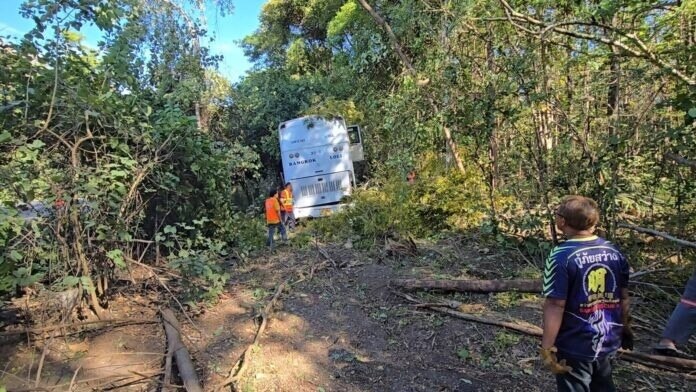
{"x":579,"y":212}
{"x":287,"y":184}
{"x":272,"y":192}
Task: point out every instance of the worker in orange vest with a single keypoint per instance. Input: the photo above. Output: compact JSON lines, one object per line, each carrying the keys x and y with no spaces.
{"x":273,"y":218}
{"x":287,"y":214}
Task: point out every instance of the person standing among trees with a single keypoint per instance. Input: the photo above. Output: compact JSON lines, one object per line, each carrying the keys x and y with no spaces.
{"x":586,"y":314}
{"x":681,"y":324}
{"x":273,"y":216}
{"x":286,"y":204}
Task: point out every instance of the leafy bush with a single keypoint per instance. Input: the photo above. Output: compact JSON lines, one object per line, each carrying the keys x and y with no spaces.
{"x":199,"y":259}
{"x":438,"y":200}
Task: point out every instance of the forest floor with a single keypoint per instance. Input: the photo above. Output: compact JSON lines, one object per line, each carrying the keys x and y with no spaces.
{"x":334,"y":330}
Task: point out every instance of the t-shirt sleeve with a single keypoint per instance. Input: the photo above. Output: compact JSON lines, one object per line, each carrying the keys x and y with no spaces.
{"x":555,"y":283}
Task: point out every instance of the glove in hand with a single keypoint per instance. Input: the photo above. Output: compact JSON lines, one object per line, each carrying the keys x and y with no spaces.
{"x":548,"y":356}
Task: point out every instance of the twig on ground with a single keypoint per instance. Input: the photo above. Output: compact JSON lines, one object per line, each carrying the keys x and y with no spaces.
{"x":324,"y":253}
{"x":161,"y":282}
{"x":656,"y":361}
{"x":72,"y":380}
{"x":41,"y":361}
{"x":240,"y":365}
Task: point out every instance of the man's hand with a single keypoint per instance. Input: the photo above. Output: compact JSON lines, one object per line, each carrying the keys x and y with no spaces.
{"x":627,"y":337}
{"x":548,"y":356}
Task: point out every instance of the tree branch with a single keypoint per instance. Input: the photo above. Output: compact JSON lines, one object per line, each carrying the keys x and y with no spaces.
{"x":658,"y":234}
{"x":392,"y":37}
{"x":641,"y":52}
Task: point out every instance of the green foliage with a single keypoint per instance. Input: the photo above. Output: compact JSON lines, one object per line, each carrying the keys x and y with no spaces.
{"x":108,"y":145}
{"x":505,"y":340}
{"x":196,"y":257}
{"x":463,"y":354}
{"x":437,"y":201}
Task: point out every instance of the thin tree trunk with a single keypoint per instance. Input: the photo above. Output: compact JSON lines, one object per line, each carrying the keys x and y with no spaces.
{"x":412,"y":71}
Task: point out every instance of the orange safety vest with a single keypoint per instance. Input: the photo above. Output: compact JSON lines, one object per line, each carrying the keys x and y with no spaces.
{"x":286,"y":200}
{"x":272,"y":211}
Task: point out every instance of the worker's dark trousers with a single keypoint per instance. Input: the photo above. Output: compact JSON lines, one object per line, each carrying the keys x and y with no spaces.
{"x":288,"y":219}
{"x":586,"y":376}
{"x":272,"y":227}
{"x":682,"y":322}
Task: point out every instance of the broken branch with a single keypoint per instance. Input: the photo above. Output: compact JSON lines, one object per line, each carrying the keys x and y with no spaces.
{"x":477,"y":286}
{"x":658,"y":361}
{"x":106,"y":322}
{"x":658,"y":234}
{"x":183,"y":360}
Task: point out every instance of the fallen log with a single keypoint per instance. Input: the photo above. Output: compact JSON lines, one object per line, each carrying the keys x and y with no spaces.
{"x":657,"y":361}
{"x":656,"y":233}
{"x":447,"y":308}
{"x":107,"y":323}
{"x":239,"y":367}
{"x":183,"y":360}
{"x":476,"y":286}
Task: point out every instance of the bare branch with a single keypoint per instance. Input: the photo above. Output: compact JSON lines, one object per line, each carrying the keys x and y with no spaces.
{"x":641,"y":52}
{"x":656,"y":233}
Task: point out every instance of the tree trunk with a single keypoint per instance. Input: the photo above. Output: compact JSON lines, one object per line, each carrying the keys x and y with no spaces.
{"x":412,"y":71}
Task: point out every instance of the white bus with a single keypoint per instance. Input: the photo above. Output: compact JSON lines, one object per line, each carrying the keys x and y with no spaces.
{"x":316,"y":156}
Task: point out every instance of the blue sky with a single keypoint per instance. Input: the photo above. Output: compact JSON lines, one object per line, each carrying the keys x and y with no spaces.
{"x":243,"y":21}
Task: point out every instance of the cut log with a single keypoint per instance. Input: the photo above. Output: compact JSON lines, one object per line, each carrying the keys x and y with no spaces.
{"x":656,"y":361}
{"x":183,"y":360}
{"x":475,"y":286}
{"x":662,"y":361}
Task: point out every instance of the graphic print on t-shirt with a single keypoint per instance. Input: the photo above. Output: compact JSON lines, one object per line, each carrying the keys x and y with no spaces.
{"x":589,"y":275}
{"x":599,"y":285}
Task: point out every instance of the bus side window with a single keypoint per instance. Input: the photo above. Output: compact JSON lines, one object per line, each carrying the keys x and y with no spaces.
{"x":354,"y":134}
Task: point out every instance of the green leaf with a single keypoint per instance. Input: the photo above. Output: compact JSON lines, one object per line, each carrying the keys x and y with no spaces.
{"x":5,"y":136}
{"x":169,"y":229}
{"x":463,"y":354}
{"x":692,"y":112}
{"x":116,"y":256}
{"x":15,"y":256}
{"x":70,"y":281}
{"x":36,"y":144}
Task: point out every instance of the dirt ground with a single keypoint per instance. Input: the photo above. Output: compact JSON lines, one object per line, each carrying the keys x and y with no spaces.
{"x":338,"y":330}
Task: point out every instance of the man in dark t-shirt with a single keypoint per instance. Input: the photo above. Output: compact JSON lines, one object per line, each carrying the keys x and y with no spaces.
{"x":586,"y":307}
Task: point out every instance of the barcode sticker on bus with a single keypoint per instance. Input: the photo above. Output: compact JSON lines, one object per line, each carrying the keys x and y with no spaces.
{"x":320,"y":187}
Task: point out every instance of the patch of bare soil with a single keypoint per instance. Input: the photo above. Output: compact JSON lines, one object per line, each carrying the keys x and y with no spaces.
{"x":337,"y":326}
{"x":345,"y":330}
{"x":87,"y":355}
